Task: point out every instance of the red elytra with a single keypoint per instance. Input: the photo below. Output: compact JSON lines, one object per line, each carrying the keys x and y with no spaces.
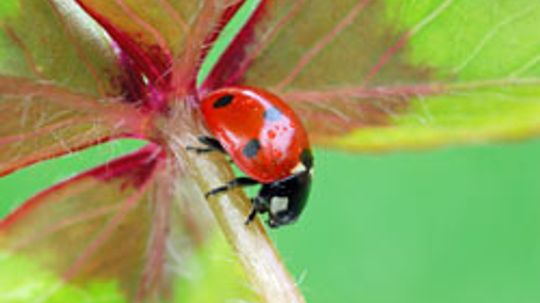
{"x":261,"y":133}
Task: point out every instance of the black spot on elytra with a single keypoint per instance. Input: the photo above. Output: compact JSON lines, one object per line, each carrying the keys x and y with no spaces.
{"x":272,"y":114}
{"x":252,"y":148}
{"x":223,"y":101}
{"x":306,"y":158}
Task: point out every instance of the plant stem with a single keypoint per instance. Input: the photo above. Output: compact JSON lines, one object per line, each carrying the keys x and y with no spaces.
{"x":255,"y":250}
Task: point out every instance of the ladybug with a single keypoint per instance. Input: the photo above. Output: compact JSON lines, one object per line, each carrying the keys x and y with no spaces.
{"x":267,"y":141}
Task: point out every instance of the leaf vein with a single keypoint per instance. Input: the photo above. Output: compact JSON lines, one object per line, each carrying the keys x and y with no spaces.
{"x":322,"y":43}
{"x":525,"y":67}
{"x":491,"y":34}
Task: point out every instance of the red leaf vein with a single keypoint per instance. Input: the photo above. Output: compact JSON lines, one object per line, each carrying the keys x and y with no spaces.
{"x":322,"y":43}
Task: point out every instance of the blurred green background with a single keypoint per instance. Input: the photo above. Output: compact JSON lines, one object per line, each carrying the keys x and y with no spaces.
{"x":450,"y":225}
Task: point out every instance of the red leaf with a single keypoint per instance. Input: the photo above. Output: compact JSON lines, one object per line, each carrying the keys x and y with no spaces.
{"x":94,"y":225}
{"x":41,"y":121}
{"x":319,"y":57}
{"x":233,"y":61}
{"x":212,"y":18}
{"x":148,"y":41}
{"x":143,"y":51}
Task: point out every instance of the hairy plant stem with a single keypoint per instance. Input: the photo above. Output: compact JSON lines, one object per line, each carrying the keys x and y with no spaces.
{"x":255,"y":250}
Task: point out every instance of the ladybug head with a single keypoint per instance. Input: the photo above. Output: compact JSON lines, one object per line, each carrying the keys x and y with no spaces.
{"x":284,"y":199}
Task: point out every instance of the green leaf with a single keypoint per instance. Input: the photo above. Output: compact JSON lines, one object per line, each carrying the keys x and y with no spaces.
{"x":215,"y":276}
{"x":8,"y":8}
{"x":506,"y":112}
{"x":56,"y":43}
{"x":374,"y":75}
{"x":23,"y":281}
{"x":214,"y":268}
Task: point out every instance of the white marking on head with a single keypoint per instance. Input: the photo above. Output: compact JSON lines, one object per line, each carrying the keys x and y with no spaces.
{"x":278,"y":204}
{"x":299,"y":168}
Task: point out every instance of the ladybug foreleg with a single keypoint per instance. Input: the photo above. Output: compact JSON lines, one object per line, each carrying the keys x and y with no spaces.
{"x":252,"y":213}
{"x":258,"y":206}
{"x":210,"y":145}
{"x":237,"y":182}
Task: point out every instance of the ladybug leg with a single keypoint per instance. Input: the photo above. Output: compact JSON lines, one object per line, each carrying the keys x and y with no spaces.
{"x":252,"y":214}
{"x":237,"y":182}
{"x":200,"y":150}
{"x":258,"y":206}
{"x":210,"y":145}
